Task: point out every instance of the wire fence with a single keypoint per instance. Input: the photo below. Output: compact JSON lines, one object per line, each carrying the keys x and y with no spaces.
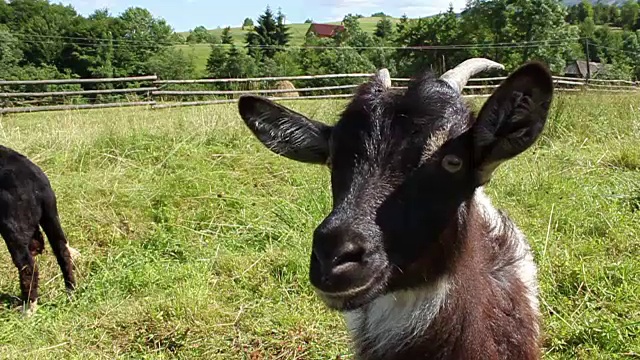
{"x":23,"y":96}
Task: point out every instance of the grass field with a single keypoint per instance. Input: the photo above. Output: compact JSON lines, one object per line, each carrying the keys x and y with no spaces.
{"x":196,"y":239}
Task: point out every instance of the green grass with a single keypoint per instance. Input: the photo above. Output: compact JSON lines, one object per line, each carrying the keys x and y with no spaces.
{"x":297,"y":31}
{"x":196,"y":239}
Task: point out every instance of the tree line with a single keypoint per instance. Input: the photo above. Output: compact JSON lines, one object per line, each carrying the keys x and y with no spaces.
{"x":39,"y":39}
{"x":508,"y":31}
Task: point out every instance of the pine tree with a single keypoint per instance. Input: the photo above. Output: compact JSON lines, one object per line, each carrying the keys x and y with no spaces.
{"x":238,"y":64}
{"x":268,"y":33}
{"x":226,"y":36}
{"x":217,"y":60}
{"x":384,"y":28}
{"x":282,"y":31}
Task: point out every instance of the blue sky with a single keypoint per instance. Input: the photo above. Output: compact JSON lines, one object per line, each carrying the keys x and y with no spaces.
{"x":187,"y":14}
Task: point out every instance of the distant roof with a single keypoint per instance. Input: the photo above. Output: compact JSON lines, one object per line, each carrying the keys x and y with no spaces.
{"x":579,"y":68}
{"x":325,"y":29}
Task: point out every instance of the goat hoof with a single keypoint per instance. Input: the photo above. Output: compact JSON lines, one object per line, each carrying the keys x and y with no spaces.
{"x":30,"y":309}
{"x":70,"y":294}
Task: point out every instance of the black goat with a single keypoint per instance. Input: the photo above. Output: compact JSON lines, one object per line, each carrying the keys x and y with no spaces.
{"x":415,"y":255}
{"x":27,"y":202}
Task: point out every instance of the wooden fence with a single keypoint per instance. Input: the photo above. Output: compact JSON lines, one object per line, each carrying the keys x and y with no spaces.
{"x":152,"y":92}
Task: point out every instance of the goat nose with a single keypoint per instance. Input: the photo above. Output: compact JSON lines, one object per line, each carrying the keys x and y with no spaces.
{"x":339,"y":260}
{"x":349,"y":253}
{"x":336,"y":248}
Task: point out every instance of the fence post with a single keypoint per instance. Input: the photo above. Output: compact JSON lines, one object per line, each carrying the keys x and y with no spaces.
{"x":5,"y":102}
{"x":586,"y":47}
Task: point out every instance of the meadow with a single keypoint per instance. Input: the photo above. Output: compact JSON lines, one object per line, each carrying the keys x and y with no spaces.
{"x":195,"y":239}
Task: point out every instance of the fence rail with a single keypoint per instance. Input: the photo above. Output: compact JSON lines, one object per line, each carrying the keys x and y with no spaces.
{"x":79,"y":81}
{"x":155,"y":96}
{"x":76,"y":93}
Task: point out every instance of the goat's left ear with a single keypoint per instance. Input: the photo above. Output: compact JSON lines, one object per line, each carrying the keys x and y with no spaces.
{"x":512,"y":119}
{"x":284,"y":131}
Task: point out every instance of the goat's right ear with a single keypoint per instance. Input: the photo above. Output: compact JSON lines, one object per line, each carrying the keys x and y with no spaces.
{"x":284,"y":131}
{"x":513,"y":118}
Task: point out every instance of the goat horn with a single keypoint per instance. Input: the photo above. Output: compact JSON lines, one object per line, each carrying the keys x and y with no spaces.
{"x":384,"y":78}
{"x":457,"y":77}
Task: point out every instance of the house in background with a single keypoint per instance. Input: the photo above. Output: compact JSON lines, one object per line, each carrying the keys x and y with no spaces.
{"x":578,"y":69}
{"x":325,"y":30}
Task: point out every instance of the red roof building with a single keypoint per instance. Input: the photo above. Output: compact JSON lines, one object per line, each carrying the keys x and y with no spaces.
{"x":325,"y":30}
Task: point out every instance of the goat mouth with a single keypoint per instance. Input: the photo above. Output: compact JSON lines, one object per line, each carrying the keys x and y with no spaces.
{"x":356,"y":297}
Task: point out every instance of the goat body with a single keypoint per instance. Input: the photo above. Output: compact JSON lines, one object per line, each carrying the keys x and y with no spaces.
{"x":27,"y":202}
{"x":413,"y":252}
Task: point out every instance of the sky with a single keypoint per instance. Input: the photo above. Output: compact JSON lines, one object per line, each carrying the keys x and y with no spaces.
{"x":184,"y":15}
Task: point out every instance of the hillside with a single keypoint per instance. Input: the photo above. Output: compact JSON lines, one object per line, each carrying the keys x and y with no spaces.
{"x":368,"y":23}
{"x":297,"y":31}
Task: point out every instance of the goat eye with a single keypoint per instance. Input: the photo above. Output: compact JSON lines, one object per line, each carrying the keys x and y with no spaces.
{"x":452,"y":163}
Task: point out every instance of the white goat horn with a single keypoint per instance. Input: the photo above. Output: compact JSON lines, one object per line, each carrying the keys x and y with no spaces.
{"x":458,"y":76}
{"x":384,"y":77}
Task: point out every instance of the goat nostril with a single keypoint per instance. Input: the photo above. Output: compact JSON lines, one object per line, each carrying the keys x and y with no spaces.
{"x":352,"y":255}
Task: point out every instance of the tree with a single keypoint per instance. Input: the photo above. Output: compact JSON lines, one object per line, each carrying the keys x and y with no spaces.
{"x":614,"y":15}
{"x":217,"y":59}
{"x":282,"y":31}
{"x":345,"y":60}
{"x":10,"y":53}
{"x":486,"y":22}
{"x":588,"y":31}
{"x":284,"y":63}
{"x":199,"y":35}
{"x":226,"y":36}
{"x":520,"y":21}
{"x":308,"y":21}
{"x":585,"y":10}
{"x":267,"y":34}
{"x":247,"y":24}
{"x":629,"y":14}
{"x":632,"y":47}
{"x":601,"y":13}
{"x":238,"y":64}
{"x":442,"y":29}
{"x":143,"y":35}
{"x":92,"y":61}
{"x":171,"y":63}
{"x":35,"y":20}
{"x":379,"y":14}
{"x":541,"y":20}
{"x":384,"y":28}
{"x":402,"y":24}
{"x":353,"y":35}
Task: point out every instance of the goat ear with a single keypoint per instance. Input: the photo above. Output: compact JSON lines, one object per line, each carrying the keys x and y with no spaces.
{"x":512,"y":119}
{"x":284,"y":131}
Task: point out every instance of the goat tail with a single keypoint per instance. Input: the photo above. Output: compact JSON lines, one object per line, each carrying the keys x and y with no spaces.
{"x":50,"y":223}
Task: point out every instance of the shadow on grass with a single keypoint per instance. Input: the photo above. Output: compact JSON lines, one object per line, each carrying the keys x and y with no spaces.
{"x":9,"y":301}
